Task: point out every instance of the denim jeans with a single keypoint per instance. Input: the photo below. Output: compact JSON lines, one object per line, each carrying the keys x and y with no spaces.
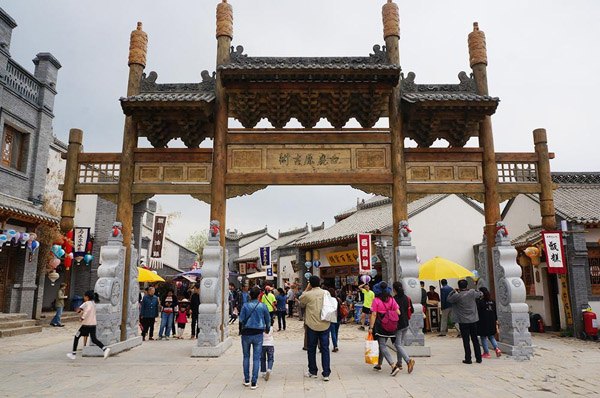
{"x":56,"y":319}
{"x":166,"y":323}
{"x":314,"y":337}
{"x":280,"y":319}
{"x":254,"y":341}
{"x":484,"y":343}
{"x":267,"y":358}
{"x":333,"y":329}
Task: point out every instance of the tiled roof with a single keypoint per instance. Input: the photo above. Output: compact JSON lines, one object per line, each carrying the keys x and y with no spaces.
{"x":151,"y":91}
{"x":171,"y":97}
{"x":530,"y":237}
{"x":282,"y":241}
{"x":576,"y":177}
{"x":441,"y":96}
{"x":19,"y":207}
{"x":377,"y":217}
{"x":464,"y":91}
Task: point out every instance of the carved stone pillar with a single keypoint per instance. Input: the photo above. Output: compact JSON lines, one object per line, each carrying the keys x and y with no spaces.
{"x":513,"y":312}
{"x":482,"y":265}
{"x":407,"y":270}
{"x":133,"y":309}
{"x":211,"y":318}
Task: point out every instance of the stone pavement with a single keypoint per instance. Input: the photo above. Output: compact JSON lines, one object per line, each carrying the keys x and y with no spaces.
{"x":36,"y":365}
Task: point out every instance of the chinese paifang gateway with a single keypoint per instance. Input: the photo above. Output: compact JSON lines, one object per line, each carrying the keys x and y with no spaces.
{"x":242,"y":161}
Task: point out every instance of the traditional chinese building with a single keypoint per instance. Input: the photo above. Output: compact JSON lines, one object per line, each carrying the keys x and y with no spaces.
{"x":26,"y":113}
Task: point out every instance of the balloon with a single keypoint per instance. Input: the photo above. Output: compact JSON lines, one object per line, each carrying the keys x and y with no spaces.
{"x":317,"y":263}
{"x":12,"y":234}
{"x":308,"y":264}
{"x":53,"y":276}
{"x":178,"y":284}
{"x":373,"y":272}
{"x":3,"y":240}
{"x":307,"y":275}
{"x":32,"y":237}
{"x":55,"y":249}
{"x":239,"y":278}
{"x":373,"y":260}
{"x":365,"y":278}
{"x":88,"y":258}
{"x":23,"y":238}
{"x":61,"y":253}
{"x":475,"y":274}
{"x":55,"y":262}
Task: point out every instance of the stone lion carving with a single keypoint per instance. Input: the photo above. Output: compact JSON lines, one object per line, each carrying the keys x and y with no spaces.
{"x":214,"y":233}
{"x":117,"y":230}
{"x":502,"y":234}
{"x":404,"y":234}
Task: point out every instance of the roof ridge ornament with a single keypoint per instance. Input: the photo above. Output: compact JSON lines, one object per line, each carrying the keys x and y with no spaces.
{"x":477,"y":46}
{"x":379,"y":54}
{"x":237,"y":54}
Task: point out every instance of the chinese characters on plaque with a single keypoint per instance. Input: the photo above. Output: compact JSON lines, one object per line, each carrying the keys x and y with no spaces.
{"x":308,"y":159}
{"x":81,"y":235}
{"x":364,"y":254}
{"x":265,"y":260}
{"x":555,"y":257}
{"x":349,"y":257}
{"x":158,"y":239}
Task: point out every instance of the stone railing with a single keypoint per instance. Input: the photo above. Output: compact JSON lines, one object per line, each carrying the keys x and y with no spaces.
{"x":22,"y":82}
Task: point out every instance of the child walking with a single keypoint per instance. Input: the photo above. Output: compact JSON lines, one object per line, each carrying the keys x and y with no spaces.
{"x":268,"y":354}
{"x":88,"y":324}
{"x":182,"y":314}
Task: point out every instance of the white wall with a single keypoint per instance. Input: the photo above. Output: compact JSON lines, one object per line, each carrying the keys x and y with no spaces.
{"x":261,"y":242}
{"x":55,"y":176}
{"x":595,"y":307}
{"x":522,"y":212}
{"x":85,"y":211}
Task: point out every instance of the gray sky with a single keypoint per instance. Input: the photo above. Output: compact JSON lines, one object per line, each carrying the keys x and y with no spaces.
{"x":543,"y":64}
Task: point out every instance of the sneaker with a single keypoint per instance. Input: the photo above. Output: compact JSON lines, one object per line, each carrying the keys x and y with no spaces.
{"x":335,"y":349}
{"x":246,"y":383}
{"x":310,"y":375}
{"x":486,"y":356}
{"x":143,"y":338}
{"x":267,"y":375}
{"x":377,"y":368}
{"x":71,"y":355}
{"x":479,"y":360}
{"x":167,"y":338}
{"x":442,"y":335}
{"x":253,"y":386}
{"x":411,"y":365}
{"x":151,"y":339}
{"x":263,"y":375}
{"x":467,"y":362}
{"x":361,"y":327}
{"x":395,"y":370}
{"x":325,"y":378}
{"x":61,"y":325}
{"x":498,"y":352}
{"x":106,"y":352}
{"x":159,"y":338}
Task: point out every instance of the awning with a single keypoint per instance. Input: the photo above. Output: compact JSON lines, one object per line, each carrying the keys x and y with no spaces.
{"x":24,"y":210}
{"x":262,"y":274}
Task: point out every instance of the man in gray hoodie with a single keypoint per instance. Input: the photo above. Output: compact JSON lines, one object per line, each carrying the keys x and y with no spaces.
{"x":464,"y":312}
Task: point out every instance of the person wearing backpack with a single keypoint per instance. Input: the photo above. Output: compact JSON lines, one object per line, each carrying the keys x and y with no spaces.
{"x":384,"y":323}
{"x":406,"y":311}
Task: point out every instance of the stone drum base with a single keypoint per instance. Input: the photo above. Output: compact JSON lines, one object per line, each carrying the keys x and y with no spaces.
{"x":212,"y":352}
{"x":94,"y":351}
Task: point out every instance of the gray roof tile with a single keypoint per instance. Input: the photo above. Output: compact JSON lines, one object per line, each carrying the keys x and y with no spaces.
{"x":25,"y":208}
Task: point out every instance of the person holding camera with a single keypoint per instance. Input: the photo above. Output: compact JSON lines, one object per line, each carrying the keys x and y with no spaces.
{"x":464,"y":311}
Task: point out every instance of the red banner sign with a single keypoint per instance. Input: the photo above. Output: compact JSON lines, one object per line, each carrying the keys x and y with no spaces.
{"x":364,"y":254}
{"x":555,"y":252}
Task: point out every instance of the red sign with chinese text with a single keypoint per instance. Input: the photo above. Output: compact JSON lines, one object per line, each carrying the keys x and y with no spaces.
{"x":555,"y":252}
{"x":364,"y":254}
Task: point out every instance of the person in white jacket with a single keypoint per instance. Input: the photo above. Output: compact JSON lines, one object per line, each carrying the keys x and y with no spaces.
{"x":268,"y":354}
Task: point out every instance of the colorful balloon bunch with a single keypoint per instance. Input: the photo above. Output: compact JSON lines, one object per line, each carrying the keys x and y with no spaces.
{"x":23,"y":239}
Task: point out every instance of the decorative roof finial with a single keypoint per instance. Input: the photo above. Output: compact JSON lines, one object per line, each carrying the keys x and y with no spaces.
{"x":138,"y":45}
{"x":225,"y":19}
{"x":391,"y":19}
{"x":477,"y":47}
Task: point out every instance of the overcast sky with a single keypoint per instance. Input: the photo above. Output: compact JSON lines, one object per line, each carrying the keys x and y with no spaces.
{"x":544,"y":64}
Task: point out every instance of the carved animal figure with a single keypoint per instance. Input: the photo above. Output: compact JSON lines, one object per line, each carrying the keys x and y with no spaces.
{"x":117,"y":229}
{"x":214,"y":230}
{"x":501,"y":231}
{"x":404,"y":229}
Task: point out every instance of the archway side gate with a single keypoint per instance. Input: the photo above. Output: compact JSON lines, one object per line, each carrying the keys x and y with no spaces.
{"x":374,"y":160}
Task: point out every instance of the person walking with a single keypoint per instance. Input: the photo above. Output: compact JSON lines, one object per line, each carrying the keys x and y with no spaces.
{"x":148,"y":313}
{"x":88,"y":324}
{"x":464,"y":311}
{"x":446,"y":308}
{"x":334,"y":328}
{"x":59,"y":304}
{"x":169,"y":302}
{"x":368,"y":297}
{"x":317,"y":330}
{"x":290,"y":301}
{"x":254,"y":321}
{"x":182,"y":314}
{"x":281,"y":303}
{"x":383,"y":323}
{"x":268,"y":354}
{"x":268,"y":298}
{"x":486,"y":326}
{"x":194,"y":305}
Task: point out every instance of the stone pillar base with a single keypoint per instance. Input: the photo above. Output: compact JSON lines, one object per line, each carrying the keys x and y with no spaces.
{"x":518,"y":352}
{"x":212,"y":352}
{"x":95,"y":351}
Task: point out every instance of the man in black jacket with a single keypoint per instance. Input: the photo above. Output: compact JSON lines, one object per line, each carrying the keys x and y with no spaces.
{"x":194,"y":304}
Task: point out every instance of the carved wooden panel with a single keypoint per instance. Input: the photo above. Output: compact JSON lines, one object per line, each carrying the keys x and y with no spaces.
{"x":325,"y":158}
{"x":441,"y":172}
{"x":172,"y":172}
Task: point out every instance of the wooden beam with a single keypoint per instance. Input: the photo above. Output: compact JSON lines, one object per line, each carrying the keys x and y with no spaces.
{"x":308,"y":138}
{"x":307,"y":178}
{"x":467,"y":188}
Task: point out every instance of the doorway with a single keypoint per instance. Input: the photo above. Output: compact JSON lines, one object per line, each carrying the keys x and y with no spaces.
{"x":7,"y":275}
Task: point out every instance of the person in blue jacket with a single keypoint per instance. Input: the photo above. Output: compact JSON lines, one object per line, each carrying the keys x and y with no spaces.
{"x":148,"y":313}
{"x":254,"y":320}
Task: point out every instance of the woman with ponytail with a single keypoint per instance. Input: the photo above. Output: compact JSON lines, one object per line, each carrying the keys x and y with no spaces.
{"x":88,"y":321}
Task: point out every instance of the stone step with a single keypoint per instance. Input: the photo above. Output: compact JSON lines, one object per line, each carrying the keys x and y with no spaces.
{"x":20,"y":331}
{"x":17,"y":324}
{"x":13,"y":317}
{"x":66,"y":317}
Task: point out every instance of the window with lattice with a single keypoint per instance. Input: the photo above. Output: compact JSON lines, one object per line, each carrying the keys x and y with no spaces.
{"x":13,"y":148}
{"x":594,"y":264}
{"x":528,"y":278}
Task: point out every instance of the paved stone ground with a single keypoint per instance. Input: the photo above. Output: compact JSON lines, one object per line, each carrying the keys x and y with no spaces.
{"x":36,"y":365}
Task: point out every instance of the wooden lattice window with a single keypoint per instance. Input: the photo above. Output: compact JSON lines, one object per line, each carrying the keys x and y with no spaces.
{"x":12,"y":148}
{"x":528,"y":279}
{"x":516,"y":172}
{"x":594,"y":264}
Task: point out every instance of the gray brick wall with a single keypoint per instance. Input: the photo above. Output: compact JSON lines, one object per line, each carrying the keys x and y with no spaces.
{"x":578,"y":274}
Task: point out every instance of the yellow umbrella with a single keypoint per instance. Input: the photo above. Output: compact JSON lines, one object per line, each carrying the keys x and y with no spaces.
{"x":148,"y":276}
{"x":439,"y":268}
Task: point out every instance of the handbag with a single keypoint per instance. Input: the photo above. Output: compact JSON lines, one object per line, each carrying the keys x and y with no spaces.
{"x":329,"y":309}
{"x":371,"y":350}
{"x":241,"y":324}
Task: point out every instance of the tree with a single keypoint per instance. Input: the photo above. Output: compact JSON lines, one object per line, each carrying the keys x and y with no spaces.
{"x":196,"y":242}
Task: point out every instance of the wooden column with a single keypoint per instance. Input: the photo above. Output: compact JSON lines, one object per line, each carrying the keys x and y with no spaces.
{"x":545,"y":179}
{"x":137,"y":62}
{"x":391,"y":34}
{"x":478,"y":62}
{"x":67,"y":212}
{"x":219,"y":165}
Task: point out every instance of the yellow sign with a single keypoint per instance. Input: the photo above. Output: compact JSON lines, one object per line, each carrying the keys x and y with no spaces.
{"x":349,"y":257}
{"x":565,"y":298}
